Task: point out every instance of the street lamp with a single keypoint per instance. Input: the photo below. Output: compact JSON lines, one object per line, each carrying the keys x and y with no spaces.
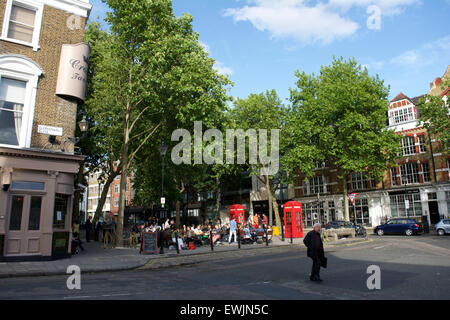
{"x":162,"y":152}
{"x":83,"y":124}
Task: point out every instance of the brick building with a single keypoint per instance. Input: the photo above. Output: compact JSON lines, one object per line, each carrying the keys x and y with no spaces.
{"x":418,"y":188}
{"x":42,"y":81}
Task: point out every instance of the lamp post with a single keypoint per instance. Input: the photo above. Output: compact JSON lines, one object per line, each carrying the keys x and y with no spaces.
{"x":162,"y":152}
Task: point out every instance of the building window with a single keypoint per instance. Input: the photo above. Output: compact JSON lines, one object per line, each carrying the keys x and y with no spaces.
{"x":16,"y":213}
{"x":426,"y":172}
{"x":422,"y":144}
{"x":410,"y":173}
{"x":35,"y":213}
{"x":393,"y":177}
{"x":116,"y":188}
{"x":401,"y":115}
{"x":116,"y":202}
{"x":408,"y":146}
{"x":193,"y":212}
{"x":361,"y":209}
{"x":314,"y":185}
{"x":406,"y":205}
{"x":22,"y":22}
{"x":126,"y":187}
{"x":60,"y":214}
{"x":12,"y":100}
{"x":126,"y":201}
{"x":18,"y":84}
{"x":359,"y":181}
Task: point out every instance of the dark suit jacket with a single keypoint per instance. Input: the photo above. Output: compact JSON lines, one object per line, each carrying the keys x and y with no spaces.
{"x":310,"y":242}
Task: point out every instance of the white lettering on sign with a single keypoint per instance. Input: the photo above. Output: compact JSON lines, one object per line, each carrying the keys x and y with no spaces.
{"x":53,"y":131}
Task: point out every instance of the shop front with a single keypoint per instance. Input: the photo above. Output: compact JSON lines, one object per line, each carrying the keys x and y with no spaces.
{"x":36,"y":203}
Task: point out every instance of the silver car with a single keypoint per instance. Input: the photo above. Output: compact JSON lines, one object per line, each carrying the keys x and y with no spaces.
{"x":443,"y":227}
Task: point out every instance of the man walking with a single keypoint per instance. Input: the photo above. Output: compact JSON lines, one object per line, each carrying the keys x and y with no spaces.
{"x":313,"y":242}
{"x":232,"y":230}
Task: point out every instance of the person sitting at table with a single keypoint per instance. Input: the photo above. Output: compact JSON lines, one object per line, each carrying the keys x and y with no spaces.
{"x":216,"y":235}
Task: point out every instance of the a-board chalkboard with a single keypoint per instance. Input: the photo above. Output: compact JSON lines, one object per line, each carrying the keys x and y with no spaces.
{"x":149,"y":242}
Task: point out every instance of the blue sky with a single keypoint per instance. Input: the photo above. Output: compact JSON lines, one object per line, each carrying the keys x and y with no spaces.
{"x":261,"y":43}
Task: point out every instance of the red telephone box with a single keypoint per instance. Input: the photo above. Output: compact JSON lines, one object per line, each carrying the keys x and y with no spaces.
{"x":293,"y":216}
{"x":238,"y":212}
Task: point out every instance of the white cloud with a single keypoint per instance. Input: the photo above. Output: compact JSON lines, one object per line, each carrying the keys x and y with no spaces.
{"x":388,"y":7}
{"x":222,"y":69}
{"x":219,"y":66}
{"x":309,"y":23}
{"x":426,"y":55}
{"x":294,"y":19}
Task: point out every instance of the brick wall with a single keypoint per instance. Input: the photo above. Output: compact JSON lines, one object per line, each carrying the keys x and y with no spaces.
{"x":50,"y":109}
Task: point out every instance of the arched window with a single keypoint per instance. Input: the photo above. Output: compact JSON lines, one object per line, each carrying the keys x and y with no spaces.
{"x":19,"y":77}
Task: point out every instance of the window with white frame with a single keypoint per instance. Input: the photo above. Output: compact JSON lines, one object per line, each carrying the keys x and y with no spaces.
{"x":22,"y":22}
{"x":393,"y":177}
{"x":410,"y":173}
{"x":116,"y":202}
{"x":12,"y":100}
{"x":314,"y":185}
{"x":422,"y":144}
{"x":116,"y":188}
{"x":18,"y":85}
{"x":361,"y":181}
{"x":408,"y":146}
{"x":400,"y":115}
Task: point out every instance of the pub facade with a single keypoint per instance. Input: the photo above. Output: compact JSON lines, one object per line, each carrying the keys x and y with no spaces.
{"x":43,"y":63}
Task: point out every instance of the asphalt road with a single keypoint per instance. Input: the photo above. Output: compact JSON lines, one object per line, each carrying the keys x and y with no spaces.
{"x":411,"y":268}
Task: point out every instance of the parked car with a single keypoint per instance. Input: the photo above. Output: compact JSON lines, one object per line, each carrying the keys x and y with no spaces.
{"x":442,"y":227}
{"x":399,"y":226}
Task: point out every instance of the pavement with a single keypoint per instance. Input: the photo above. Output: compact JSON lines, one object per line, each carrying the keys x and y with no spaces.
{"x":410,"y":268}
{"x":97,"y":259}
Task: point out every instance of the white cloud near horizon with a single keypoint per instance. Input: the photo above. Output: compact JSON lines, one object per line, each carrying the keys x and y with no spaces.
{"x":323,"y":22}
{"x":219,"y":66}
{"x":427,"y":54}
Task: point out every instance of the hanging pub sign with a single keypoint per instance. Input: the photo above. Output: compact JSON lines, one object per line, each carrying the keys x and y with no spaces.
{"x":73,"y":68}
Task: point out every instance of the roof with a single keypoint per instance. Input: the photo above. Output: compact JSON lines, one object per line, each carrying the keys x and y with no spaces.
{"x":399,"y":97}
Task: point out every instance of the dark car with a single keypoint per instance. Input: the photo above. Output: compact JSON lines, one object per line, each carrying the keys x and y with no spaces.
{"x":399,"y":226}
{"x":338,"y":224}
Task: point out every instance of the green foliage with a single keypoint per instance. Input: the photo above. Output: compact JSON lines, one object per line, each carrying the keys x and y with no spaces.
{"x":434,"y":115}
{"x":340,"y":116}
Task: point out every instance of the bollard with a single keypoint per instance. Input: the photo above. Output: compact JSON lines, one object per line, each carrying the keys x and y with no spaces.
{"x":239,"y":238}
{"x":290,"y":227}
{"x":161,"y":250}
{"x":267,"y":236}
{"x":211,"y":240}
{"x":176,"y":242}
{"x":282,"y":231}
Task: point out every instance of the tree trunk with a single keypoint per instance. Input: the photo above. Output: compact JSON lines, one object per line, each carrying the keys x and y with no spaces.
{"x":77,"y":195}
{"x":123,"y":181}
{"x":269,"y":200}
{"x":344,"y":187}
{"x":101,"y":202}
{"x":218,"y":197}
{"x":177,"y":205}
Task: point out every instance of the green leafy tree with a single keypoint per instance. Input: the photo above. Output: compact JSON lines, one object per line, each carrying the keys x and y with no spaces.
{"x":263,"y":111}
{"x":434,"y":116}
{"x":340,"y":116}
{"x":151,"y":75}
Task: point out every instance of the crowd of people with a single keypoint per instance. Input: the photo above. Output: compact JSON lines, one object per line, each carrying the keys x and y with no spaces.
{"x":190,"y":236}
